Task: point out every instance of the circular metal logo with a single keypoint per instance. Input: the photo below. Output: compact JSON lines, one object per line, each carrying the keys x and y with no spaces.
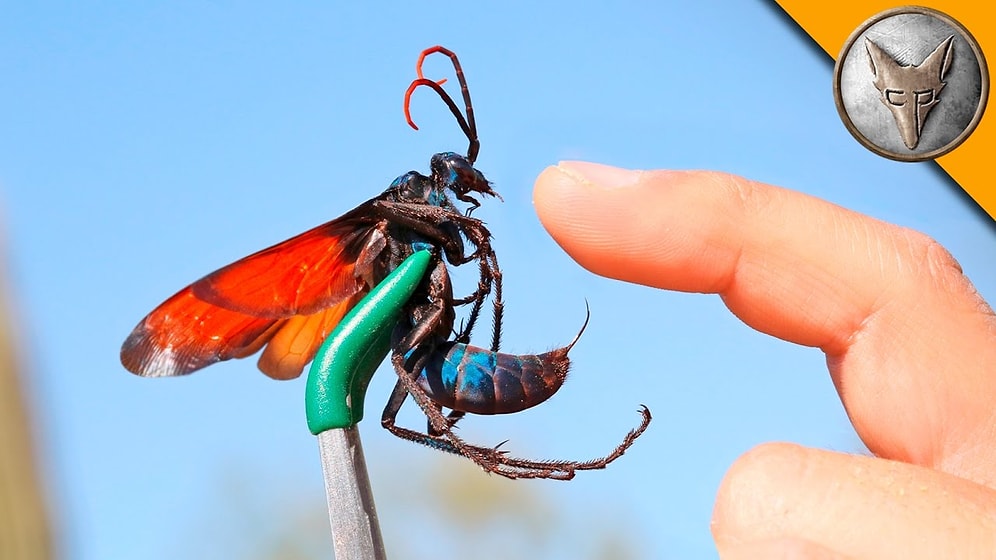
{"x":911,"y":84}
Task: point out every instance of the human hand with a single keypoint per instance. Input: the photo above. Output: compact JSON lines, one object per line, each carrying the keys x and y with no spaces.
{"x":910,"y":345}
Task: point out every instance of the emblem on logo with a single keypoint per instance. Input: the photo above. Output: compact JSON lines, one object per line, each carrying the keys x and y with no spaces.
{"x":889,"y":79}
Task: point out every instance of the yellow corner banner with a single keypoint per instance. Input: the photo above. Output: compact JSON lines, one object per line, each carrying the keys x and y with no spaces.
{"x":831,"y":24}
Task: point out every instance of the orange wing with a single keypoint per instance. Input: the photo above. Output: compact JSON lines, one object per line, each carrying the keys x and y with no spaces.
{"x":290,"y":295}
{"x":300,"y":276}
{"x":295,"y":343}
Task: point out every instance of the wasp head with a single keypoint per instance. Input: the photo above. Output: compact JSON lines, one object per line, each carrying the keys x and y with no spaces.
{"x":455,"y":172}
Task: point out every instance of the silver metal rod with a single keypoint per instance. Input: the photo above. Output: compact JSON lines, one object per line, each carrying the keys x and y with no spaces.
{"x":355,"y":528}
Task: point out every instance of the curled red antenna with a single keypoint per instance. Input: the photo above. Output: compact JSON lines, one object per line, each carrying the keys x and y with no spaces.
{"x":465,"y":120}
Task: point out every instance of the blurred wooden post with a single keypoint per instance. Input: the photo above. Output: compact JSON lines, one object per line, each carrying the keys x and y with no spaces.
{"x":24,"y":528}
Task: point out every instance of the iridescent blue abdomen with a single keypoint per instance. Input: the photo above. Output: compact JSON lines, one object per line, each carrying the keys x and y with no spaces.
{"x":472,"y":379}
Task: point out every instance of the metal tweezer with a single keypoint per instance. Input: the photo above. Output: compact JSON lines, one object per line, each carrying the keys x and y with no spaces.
{"x":337,"y":384}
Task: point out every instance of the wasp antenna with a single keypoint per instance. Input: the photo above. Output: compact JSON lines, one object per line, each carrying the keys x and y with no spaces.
{"x":466,"y":120}
{"x":422,"y":56}
{"x":443,"y":95}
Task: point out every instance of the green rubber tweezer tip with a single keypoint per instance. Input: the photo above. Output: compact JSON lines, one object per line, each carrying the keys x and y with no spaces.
{"x":342,"y":368}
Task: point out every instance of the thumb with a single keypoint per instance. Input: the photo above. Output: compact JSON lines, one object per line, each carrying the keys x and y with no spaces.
{"x":782,"y":500}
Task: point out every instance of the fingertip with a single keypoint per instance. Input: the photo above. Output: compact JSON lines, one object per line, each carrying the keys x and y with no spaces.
{"x":577,"y":182}
{"x":560,"y":198}
{"x":551,"y":185}
{"x":750,"y":480}
{"x":764,"y":505}
{"x":581,"y":216}
{"x":781,"y":494}
{"x":600,"y":175}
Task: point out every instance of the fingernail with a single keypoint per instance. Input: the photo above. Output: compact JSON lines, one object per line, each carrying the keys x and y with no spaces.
{"x":601,"y":175}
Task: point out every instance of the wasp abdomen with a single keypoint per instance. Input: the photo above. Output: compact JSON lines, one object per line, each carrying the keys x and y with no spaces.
{"x":472,"y":379}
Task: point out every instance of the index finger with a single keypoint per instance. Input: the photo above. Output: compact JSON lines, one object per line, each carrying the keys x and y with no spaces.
{"x":908,"y":341}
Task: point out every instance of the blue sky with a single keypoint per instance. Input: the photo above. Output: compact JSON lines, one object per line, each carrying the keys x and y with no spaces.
{"x":143,"y":146}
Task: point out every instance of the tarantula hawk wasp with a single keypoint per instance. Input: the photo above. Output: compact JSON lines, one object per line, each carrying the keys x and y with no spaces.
{"x":284,"y":300}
